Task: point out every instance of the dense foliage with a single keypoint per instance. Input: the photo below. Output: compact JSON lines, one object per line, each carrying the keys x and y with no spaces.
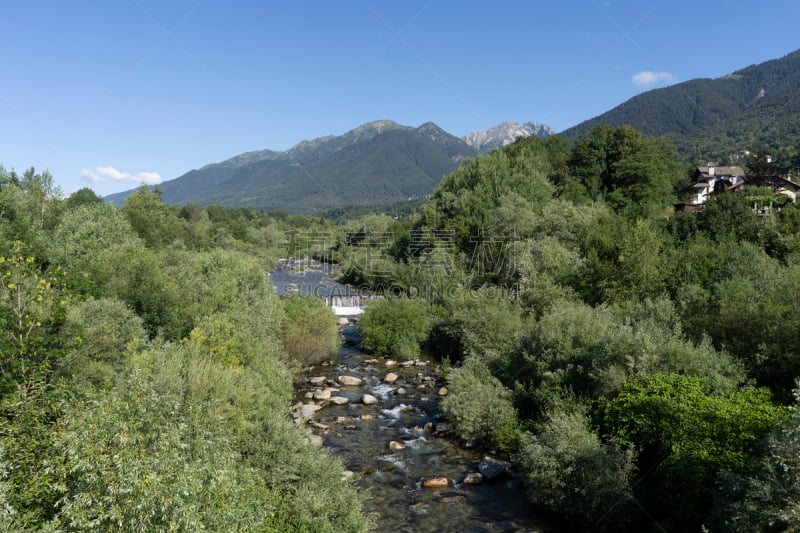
{"x":614,"y":349}
{"x":310,"y":333}
{"x":144,"y":378}
{"x":394,"y":328}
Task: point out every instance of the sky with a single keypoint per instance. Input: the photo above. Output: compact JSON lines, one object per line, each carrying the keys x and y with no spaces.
{"x":109,"y":94}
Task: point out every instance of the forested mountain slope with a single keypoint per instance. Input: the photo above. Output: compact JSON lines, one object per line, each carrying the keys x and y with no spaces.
{"x":752,"y":107}
{"x":378,"y":162}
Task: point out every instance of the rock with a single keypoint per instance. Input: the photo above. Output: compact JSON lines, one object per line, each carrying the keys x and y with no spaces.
{"x":473,"y":478}
{"x":316,"y":440}
{"x":401,"y":391}
{"x":469,"y":444}
{"x":371,"y":361}
{"x":405,"y":364}
{"x":322,"y":394}
{"x":306,"y":410}
{"x":309,"y":395}
{"x":347,"y":474}
{"x":492,"y":468}
{"x":343,"y":321}
{"x":369,"y":399}
{"x":343,"y":419}
{"x":390,"y":378}
{"x":339,"y":400}
{"x":350,"y":381}
{"x":443,"y":391}
{"x":429,"y":427}
{"x":420,"y":363}
{"x":441,"y":428}
{"x":317,"y":381}
{"x":367,"y":417}
{"x":435,"y":482}
{"x":317,"y":425}
{"x":396,"y":445}
{"x":390,"y":363}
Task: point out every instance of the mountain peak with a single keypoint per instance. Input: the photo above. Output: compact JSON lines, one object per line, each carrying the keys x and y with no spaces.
{"x":377,"y":162}
{"x":504,"y":134}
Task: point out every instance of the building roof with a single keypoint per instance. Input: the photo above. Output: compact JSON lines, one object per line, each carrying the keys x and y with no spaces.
{"x":721,"y":171}
{"x":774,"y":181}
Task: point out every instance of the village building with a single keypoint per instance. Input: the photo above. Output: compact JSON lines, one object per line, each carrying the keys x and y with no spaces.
{"x":710,"y":179}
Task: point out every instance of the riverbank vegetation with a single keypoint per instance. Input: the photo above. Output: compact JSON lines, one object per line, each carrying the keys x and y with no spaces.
{"x":614,"y":350}
{"x":145,"y":381}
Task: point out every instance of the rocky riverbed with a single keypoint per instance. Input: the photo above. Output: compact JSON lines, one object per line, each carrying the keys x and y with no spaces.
{"x":382,"y":419}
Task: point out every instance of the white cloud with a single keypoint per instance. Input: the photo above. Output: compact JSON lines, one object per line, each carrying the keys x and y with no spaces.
{"x":109,"y":174}
{"x":646,"y":78}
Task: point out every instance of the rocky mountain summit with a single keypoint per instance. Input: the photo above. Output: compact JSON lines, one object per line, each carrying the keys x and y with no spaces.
{"x":504,"y":134}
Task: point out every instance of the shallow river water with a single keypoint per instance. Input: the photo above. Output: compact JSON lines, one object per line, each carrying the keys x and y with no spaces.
{"x":407,"y":412}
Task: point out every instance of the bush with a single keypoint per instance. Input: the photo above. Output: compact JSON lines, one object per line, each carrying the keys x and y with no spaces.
{"x":479,"y":407}
{"x":766,"y":499}
{"x":686,"y":433}
{"x":571,"y":473}
{"x":310,"y":333}
{"x":395,"y":327}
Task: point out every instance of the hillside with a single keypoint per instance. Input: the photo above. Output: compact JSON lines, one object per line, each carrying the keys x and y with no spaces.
{"x":756,"y":105}
{"x":378,"y":162}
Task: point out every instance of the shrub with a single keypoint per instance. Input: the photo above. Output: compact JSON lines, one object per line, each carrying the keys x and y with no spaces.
{"x":395,"y":327}
{"x":310,"y":333}
{"x":479,"y":407}
{"x":569,"y":471}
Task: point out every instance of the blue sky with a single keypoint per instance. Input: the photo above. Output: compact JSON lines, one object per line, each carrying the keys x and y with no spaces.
{"x":110,"y":93}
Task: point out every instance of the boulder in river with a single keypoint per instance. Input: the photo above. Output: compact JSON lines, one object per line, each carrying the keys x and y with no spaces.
{"x":317,"y":381}
{"x":390,"y":378}
{"x":350,"y":381}
{"x":322,"y":394}
{"x":492,"y":468}
{"x":369,"y":399}
{"x":439,"y":482}
{"x":306,"y":410}
{"x":473,"y":478}
{"x":339,"y":400}
{"x":396,"y":445}
{"x":443,"y":391}
{"x":316,"y":440}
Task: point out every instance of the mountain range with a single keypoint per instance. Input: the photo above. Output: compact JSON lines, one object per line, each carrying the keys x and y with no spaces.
{"x":380,"y":162}
{"x":710,"y":118}
{"x":504,"y":134}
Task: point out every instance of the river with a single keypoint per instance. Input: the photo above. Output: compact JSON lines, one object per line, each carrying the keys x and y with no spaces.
{"x":392,"y":446}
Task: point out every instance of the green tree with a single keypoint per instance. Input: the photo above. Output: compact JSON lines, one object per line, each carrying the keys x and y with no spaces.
{"x":479,"y":407}
{"x":687,"y":433}
{"x":395,"y":327}
{"x":99,"y":334}
{"x":31,"y":311}
{"x":766,"y":498}
{"x":84,"y":241}
{"x":310,"y":333}
{"x":569,"y":471}
{"x":82,"y":196}
{"x":150,"y":217}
